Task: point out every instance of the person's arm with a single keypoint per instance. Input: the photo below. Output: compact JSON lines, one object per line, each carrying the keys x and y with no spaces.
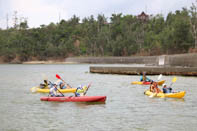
{"x":67,"y":85}
{"x":141,"y":78}
{"x":147,"y":79}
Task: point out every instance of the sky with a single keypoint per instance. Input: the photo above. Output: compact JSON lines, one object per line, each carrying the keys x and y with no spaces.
{"x":39,"y":12}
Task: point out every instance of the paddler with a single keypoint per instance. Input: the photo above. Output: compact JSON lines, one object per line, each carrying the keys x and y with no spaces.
{"x":45,"y":85}
{"x":80,"y":91}
{"x":144,"y":78}
{"x":63,"y":84}
{"x":53,"y":91}
{"x":166,"y":89}
{"x":154,"y":87}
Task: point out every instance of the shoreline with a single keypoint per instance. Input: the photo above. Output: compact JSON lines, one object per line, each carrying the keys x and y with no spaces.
{"x":48,"y":62}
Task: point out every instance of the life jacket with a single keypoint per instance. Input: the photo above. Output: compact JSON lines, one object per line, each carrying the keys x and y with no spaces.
{"x":53,"y":91}
{"x":167,"y":90}
{"x":80,"y":90}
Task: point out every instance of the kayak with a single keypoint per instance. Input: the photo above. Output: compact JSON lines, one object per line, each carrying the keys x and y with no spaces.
{"x":37,"y":89}
{"x":147,"y":82}
{"x":75,"y":99}
{"x":180,"y":94}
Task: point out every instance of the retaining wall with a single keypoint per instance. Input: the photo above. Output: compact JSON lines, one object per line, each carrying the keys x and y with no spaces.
{"x":185,"y":60}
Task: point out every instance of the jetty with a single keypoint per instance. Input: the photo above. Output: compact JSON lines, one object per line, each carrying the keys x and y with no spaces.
{"x":180,"y":64}
{"x":186,"y":71}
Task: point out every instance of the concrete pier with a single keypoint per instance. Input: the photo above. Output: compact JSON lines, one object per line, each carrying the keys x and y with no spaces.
{"x":180,"y":64}
{"x":189,"y":71}
{"x":184,"y":60}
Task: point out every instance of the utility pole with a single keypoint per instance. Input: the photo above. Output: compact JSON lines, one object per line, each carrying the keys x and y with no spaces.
{"x":15,"y":19}
{"x":7,"y":20}
{"x":59,"y":17}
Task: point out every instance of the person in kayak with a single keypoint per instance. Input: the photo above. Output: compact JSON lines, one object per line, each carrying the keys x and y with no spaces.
{"x":45,"y":85}
{"x":144,"y":78}
{"x":63,"y":85}
{"x":80,"y":91}
{"x":53,"y":91}
{"x":166,"y":89}
{"x":154,"y":87}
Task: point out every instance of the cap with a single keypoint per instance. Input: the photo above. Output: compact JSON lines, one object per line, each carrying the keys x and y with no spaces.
{"x":56,"y":83}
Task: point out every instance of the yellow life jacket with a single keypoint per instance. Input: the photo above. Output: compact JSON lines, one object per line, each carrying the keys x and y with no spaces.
{"x":81,"y":89}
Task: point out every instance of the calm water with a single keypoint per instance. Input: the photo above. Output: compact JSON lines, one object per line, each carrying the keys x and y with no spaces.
{"x":126,"y":108}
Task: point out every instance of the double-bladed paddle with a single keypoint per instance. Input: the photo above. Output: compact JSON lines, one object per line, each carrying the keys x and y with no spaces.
{"x":87,"y":89}
{"x":58,"y":77}
{"x":173,"y":80}
{"x":57,"y":89}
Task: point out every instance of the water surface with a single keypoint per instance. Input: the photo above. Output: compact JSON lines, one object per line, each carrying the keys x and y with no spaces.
{"x":126,"y":108}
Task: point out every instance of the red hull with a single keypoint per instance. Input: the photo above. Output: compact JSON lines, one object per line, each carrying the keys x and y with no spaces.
{"x":146,"y":83}
{"x":75,"y":99}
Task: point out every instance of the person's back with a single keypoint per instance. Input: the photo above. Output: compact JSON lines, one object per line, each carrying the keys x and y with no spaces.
{"x":156,"y":89}
{"x":151,"y":87}
{"x":144,"y":78}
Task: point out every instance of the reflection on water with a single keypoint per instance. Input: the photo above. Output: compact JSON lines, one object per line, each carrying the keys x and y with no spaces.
{"x":89,"y":104}
{"x":126,"y":107}
{"x":175,"y":99}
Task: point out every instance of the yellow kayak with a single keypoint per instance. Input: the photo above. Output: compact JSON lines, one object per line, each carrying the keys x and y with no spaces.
{"x":147,"y":83}
{"x":180,"y":94}
{"x":37,"y":89}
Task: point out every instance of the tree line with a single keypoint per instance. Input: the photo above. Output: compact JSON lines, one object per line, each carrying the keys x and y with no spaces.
{"x":122,"y":35}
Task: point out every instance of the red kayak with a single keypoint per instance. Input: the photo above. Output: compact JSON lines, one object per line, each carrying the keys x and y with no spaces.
{"x":75,"y":99}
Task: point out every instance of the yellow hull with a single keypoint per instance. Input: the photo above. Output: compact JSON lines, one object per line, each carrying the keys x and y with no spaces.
{"x":180,"y":94}
{"x":37,"y":89}
{"x":147,"y":83}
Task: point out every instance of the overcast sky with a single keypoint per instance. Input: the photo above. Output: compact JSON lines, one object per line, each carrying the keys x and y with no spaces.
{"x":40,"y":12}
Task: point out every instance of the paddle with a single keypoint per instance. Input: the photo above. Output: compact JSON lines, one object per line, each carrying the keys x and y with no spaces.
{"x":87,"y":89}
{"x":57,"y":89}
{"x":173,"y":80}
{"x":34,"y":89}
{"x":58,"y":77}
{"x":44,"y":77}
{"x":159,"y":77}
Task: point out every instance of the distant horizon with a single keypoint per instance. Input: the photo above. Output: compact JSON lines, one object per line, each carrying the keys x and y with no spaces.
{"x":44,"y":12}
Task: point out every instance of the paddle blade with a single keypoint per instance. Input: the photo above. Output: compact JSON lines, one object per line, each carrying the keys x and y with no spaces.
{"x":174,"y":79}
{"x":159,"y":77}
{"x":34,"y":89}
{"x":89,"y":85}
{"x":153,"y":95}
{"x":57,"y":76}
{"x":44,"y":77}
{"x":87,"y":88}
